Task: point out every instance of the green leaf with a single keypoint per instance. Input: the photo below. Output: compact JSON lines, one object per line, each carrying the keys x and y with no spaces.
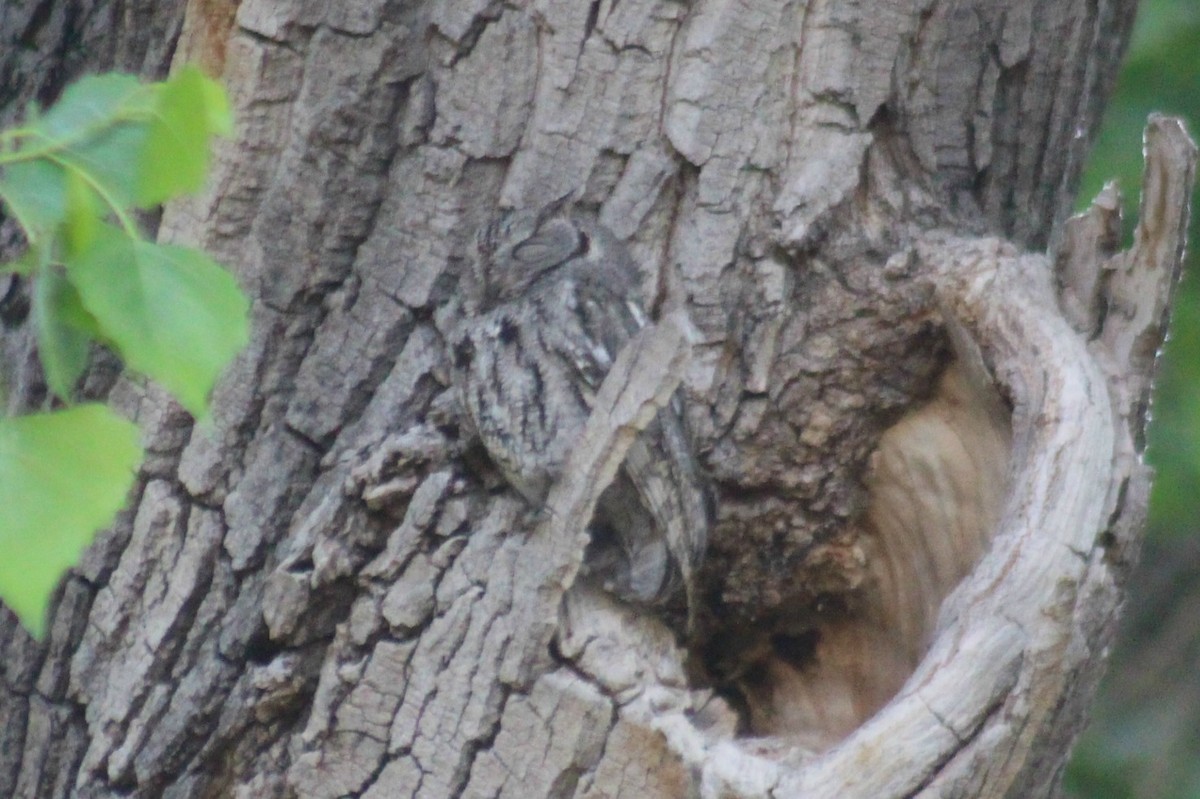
{"x":63,"y":475}
{"x":97,"y":129}
{"x":64,"y":329}
{"x":216,"y":107}
{"x":191,"y":108}
{"x":109,"y":161}
{"x":36,"y":193}
{"x":83,"y":212}
{"x":171,"y":312}
{"x":90,"y":104}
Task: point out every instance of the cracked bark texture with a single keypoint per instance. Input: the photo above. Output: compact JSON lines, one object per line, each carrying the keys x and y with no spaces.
{"x":326,"y":591}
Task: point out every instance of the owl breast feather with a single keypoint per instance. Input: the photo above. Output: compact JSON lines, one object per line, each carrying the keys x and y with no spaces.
{"x":535,"y":364}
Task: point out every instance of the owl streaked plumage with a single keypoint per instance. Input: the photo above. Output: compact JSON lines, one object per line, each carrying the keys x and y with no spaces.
{"x":550,"y":301}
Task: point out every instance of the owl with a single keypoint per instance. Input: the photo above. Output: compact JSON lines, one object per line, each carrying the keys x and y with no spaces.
{"x":550,"y":300}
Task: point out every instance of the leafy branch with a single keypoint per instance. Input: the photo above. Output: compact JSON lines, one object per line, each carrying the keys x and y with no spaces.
{"x":71,"y":178}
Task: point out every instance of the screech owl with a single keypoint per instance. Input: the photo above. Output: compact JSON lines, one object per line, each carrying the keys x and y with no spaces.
{"x":550,"y":301}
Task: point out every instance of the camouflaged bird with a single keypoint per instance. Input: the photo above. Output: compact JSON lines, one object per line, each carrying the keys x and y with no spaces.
{"x":550,"y":301}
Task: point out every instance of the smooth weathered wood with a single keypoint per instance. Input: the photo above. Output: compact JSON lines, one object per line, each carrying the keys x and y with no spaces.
{"x":328,"y":591}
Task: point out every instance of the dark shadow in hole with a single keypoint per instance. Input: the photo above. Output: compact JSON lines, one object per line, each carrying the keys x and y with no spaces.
{"x":799,"y":651}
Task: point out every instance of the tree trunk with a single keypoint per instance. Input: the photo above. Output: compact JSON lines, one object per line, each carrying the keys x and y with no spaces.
{"x":923,"y":437}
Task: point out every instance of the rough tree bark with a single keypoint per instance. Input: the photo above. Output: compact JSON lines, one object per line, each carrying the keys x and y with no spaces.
{"x":924,"y":435}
